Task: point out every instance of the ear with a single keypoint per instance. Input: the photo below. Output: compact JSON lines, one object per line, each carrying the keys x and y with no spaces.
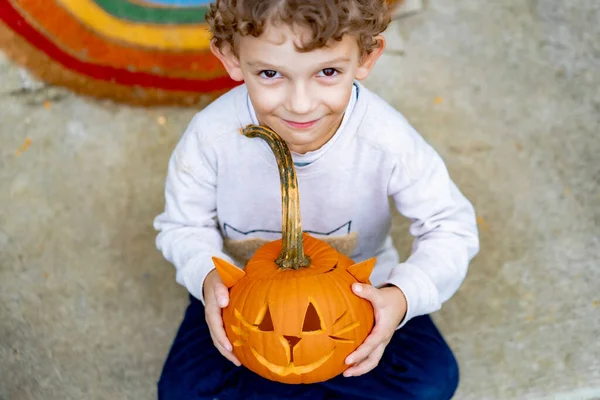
{"x":229,"y":273}
{"x":369,"y":60}
{"x":229,"y":60}
{"x":362,"y":271}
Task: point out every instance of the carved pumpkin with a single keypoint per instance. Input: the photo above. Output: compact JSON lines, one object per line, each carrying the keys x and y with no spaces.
{"x":292,"y":316}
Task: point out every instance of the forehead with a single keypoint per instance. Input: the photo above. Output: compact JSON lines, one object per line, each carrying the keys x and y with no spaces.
{"x":279,"y":43}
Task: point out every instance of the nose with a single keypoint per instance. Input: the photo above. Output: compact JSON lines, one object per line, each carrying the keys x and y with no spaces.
{"x":300,"y":101}
{"x":293,"y":341}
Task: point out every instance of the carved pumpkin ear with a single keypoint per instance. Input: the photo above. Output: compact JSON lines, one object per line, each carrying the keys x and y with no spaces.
{"x":362,"y":271}
{"x":229,"y":273}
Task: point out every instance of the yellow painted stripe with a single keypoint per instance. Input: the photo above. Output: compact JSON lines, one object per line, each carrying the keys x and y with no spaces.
{"x":188,"y":37}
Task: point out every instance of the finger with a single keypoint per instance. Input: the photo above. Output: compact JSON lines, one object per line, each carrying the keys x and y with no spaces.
{"x":367,"y":364}
{"x":367,"y":292}
{"x":366,"y":348}
{"x":215,"y":325}
{"x":225,"y":353}
{"x":221,"y":294}
{"x":219,"y":336}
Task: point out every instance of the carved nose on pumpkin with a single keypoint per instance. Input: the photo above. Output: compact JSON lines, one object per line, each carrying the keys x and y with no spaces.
{"x":292,"y":340}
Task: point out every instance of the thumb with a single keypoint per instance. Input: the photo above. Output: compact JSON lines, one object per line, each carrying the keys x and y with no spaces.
{"x":362,"y":290}
{"x":221,"y":294}
{"x":368,"y":293}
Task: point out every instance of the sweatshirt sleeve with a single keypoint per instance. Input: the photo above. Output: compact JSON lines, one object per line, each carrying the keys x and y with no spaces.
{"x":188,"y":231}
{"x":443,"y":226}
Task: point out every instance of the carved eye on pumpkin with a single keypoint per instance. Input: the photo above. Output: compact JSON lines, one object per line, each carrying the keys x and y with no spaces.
{"x":313,"y":324}
{"x":312,"y":320}
{"x":266,"y":325}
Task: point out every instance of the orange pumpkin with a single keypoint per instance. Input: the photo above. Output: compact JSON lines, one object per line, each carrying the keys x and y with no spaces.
{"x":292,"y":316}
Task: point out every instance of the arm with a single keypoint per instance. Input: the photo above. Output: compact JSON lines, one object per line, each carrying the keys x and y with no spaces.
{"x":443,"y":224}
{"x":445,"y":231}
{"x":188,"y":232}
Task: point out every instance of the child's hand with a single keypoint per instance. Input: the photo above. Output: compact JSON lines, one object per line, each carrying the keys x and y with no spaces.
{"x":216,"y":296}
{"x":389,"y":305}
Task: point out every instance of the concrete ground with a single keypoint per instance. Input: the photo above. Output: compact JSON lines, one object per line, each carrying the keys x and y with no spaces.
{"x":507,"y":91}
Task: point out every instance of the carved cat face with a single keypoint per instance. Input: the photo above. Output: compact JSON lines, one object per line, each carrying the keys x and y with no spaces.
{"x":296,"y":326}
{"x":300,"y":352}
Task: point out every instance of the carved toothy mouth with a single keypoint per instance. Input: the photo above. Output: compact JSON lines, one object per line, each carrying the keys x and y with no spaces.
{"x":291,"y":368}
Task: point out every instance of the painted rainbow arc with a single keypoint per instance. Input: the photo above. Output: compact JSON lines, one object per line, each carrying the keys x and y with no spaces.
{"x":136,"y":51}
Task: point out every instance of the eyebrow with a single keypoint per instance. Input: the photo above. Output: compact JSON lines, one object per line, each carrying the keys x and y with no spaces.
{"x":262,"y":64}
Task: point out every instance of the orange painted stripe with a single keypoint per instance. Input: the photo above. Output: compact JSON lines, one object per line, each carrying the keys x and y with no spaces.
{"x":103,"y":76}
{"x":48,"y":70}
{"x":74,"y":38}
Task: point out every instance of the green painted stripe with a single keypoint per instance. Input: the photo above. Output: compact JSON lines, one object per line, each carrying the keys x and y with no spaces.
{"x":124,"y":9}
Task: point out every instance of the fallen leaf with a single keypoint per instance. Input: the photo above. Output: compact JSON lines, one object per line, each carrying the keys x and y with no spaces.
{"x":24,"y":147}
{"x":47,"y":105}
{"x":161,"y":120}
{"x":45,"y":275}
{"x":518,"y":146}
{"x":596,"y":303}
{"x":438,"y":100}
{"x":482,"y":223}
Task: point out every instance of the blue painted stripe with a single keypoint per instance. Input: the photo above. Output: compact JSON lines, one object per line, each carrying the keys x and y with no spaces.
{"x":179,"y":3}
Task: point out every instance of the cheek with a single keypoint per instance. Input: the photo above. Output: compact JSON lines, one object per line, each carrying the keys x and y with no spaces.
{"x":336,"y":99}
{"x":265,"y":100}
{"x":263,"y":107}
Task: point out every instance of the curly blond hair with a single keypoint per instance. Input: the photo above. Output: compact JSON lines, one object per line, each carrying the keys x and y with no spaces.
{"x":326,"y":19}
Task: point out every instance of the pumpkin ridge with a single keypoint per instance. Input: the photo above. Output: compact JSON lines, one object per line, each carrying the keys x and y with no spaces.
{"x":346,"y":299}
{"x":340,"y":294}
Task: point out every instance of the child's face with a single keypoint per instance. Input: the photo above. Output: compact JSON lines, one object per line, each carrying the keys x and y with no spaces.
{"x":301,"y":96}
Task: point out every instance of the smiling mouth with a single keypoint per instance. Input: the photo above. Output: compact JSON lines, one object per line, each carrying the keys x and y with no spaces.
{"x":301,"y":125}
{"x":285,"y":370}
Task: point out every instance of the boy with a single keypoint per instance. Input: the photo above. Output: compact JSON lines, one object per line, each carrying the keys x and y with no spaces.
{"x":300,"y":62}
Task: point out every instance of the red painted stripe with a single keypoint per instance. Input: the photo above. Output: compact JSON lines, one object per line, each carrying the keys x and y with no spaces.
{"x":16,"y":22}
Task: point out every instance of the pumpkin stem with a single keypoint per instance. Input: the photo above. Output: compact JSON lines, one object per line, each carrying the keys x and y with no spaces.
{"x":292,"y":253}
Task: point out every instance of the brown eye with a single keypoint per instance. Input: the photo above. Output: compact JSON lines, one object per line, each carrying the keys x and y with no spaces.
{"x":268,"y":73}
{"x":329,"y":72}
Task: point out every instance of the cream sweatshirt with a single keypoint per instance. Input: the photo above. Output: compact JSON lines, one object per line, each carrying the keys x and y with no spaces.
{"x":223,"y":188}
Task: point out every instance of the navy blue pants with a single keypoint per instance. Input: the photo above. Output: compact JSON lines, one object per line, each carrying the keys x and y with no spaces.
{"x":416,"y":364}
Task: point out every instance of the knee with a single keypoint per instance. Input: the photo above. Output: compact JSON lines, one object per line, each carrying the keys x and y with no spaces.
{"x":177,"y":385}
{"x":440,"y":378}
{"x":171,"y":388}
{"x":188,"y":382}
